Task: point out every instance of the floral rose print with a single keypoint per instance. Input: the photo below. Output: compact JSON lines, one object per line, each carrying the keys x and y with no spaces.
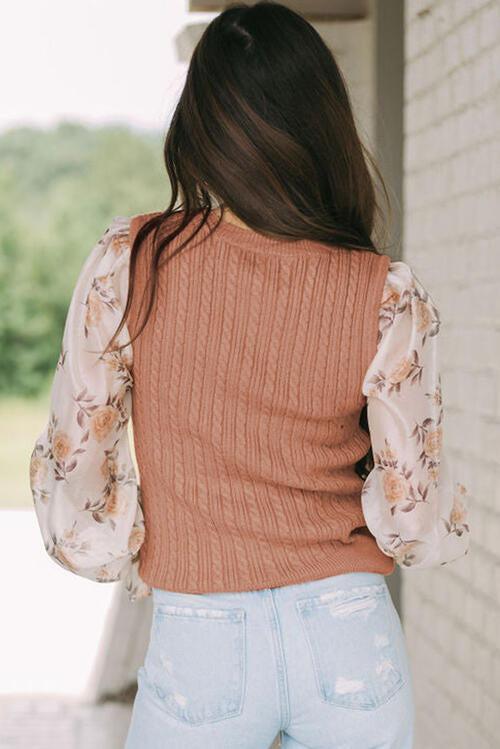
{"x":85,"y":490}
{"x":432,"y":443}
{"x":61,"y":446}
{"x":38,"y":471}
{"x":401,"y":371}
{"x":458,"y":514}
{"x":413,"y":506}
{"x":93,"y":314}
{"x":102,"y":421}
{"x":396,"y":487}
{"x":119,"y":243}
{"x":136,"y":539}
{"x":423,"y":315}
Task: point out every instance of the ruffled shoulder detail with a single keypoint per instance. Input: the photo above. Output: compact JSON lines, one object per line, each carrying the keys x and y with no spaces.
{"x":399,"y":280}
{"x":115,"y":239}
{"x":406,"y":304}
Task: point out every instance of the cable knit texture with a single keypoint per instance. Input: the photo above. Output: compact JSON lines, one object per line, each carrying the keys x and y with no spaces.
{"x":246,"y":405}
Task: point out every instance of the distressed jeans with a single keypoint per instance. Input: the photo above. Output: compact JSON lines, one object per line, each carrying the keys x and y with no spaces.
{"x":323,"y":663}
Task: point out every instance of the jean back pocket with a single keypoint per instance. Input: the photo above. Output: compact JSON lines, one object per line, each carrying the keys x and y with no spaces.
{"x":196,"y":661}
{"x":352,"y":641}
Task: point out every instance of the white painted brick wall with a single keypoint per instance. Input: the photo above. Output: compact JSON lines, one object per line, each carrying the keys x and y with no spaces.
{"x":451,"y":239}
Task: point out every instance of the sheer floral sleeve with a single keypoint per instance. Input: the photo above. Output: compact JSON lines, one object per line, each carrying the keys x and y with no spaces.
{"x":83,"y":481}
{"x":411,"y":500}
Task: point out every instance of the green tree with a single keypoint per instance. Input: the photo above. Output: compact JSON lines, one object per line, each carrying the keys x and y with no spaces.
{"x":59,"y":190}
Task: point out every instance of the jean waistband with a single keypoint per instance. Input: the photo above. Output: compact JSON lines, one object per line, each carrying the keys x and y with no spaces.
{"x":343,"y":581}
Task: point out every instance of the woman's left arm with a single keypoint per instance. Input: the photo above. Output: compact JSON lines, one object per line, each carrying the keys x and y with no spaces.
{"x":412,"y":502}
{"x":83,"y":481}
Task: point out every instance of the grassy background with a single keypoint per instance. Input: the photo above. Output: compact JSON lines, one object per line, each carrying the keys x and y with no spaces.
{"x":21,"y":421}
{"x":60,"y":187}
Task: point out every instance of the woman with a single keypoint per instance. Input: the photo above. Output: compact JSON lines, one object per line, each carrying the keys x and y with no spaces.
{"x":283,"y":380}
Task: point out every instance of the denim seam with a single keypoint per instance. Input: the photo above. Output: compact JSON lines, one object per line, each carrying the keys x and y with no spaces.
{"x":285,"y":713}
{"x":315,"y":671}
{"x":395,"y":636}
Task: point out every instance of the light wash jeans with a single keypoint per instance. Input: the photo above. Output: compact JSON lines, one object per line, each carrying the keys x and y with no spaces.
{"x":323,"y":663}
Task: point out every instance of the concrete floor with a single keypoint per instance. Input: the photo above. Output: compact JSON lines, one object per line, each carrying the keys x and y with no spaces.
{"x":45,"y":723}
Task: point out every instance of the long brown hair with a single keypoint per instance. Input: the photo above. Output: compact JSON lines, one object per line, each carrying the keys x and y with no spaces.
{"x":264,"y":125}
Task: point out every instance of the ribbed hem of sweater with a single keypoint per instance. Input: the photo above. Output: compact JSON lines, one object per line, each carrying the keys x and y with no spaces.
{"x":348,"y":558}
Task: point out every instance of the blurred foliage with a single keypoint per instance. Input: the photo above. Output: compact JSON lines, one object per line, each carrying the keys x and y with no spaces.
{"x":59,"y":190}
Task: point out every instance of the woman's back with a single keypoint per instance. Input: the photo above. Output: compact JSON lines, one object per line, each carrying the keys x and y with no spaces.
{"x":246,"y":410}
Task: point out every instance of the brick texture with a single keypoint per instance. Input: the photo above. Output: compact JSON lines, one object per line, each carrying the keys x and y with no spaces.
{"x":451,"y":234}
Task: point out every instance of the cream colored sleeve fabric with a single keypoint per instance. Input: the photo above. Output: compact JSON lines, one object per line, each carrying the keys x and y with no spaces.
{"x":412,"y":501}
{"x":83,"y":481}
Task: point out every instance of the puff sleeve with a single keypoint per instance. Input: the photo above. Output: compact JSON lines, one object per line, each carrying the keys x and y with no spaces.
{"x":412,"y":501}
{"x":85,"y":490}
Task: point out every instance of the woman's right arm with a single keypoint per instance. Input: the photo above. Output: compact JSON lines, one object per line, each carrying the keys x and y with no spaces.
{"x":85,"y":489}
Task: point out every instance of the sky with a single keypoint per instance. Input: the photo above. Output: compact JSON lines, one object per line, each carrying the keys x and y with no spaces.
{"x":92,"y":60}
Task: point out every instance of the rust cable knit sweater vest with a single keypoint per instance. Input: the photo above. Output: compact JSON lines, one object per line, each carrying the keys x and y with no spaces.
{"x":245,"y":410}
